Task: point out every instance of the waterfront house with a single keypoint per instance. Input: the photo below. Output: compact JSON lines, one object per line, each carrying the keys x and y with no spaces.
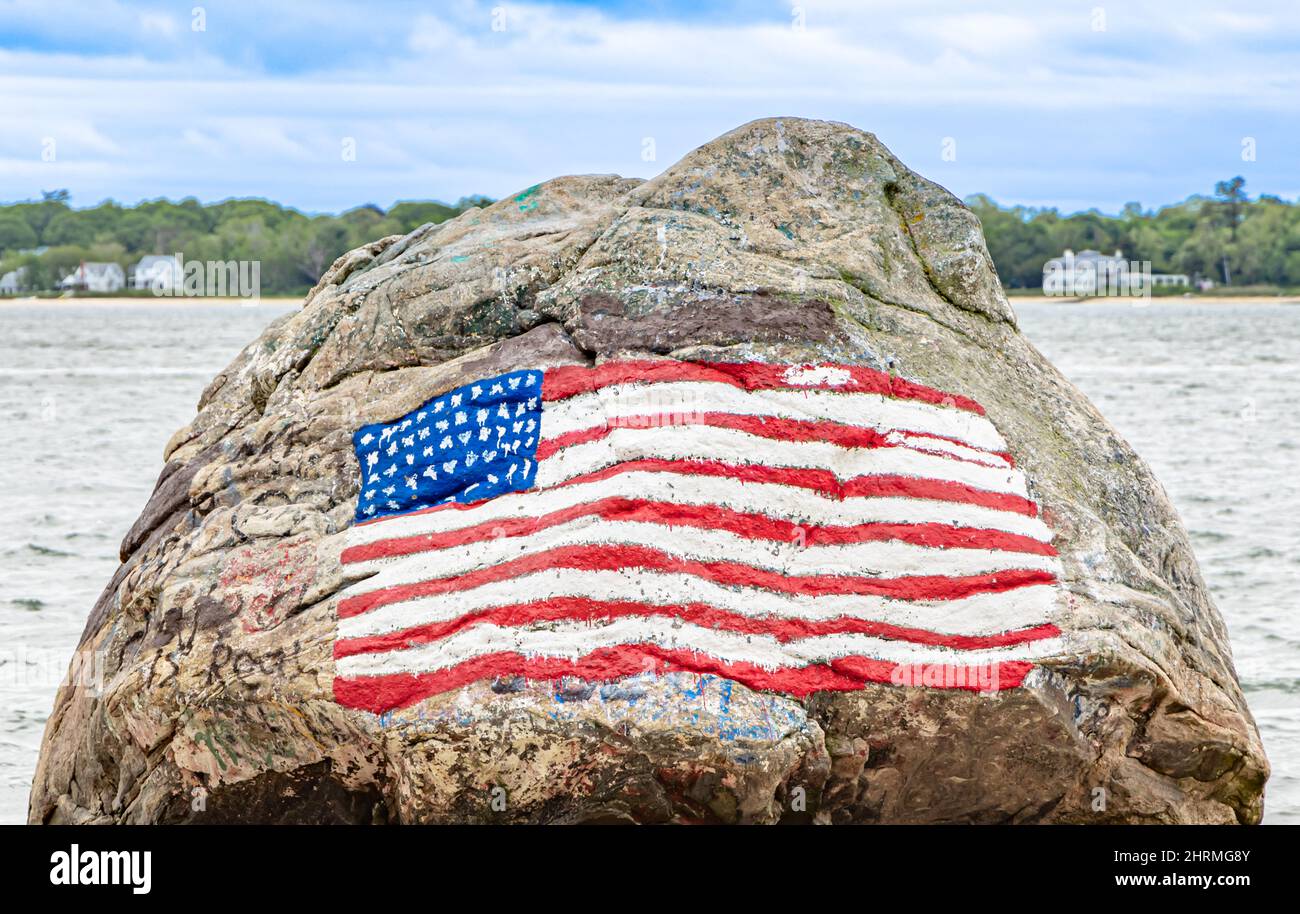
{"x":1095,"y":273}
{"x":95,"y":277}
{"x":13,"y":282}
{"x":160,"y":272}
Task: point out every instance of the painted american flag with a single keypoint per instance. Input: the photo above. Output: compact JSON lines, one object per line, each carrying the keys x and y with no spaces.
{"x":795,"y":528}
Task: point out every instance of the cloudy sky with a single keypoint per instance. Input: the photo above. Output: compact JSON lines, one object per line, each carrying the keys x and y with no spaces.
{"x":326,"y":104}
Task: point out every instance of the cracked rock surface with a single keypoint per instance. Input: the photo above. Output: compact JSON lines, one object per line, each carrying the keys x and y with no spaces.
{"x":784,"y":240}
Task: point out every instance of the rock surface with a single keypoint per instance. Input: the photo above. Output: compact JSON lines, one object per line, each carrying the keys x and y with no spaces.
{"x":785,"y":240}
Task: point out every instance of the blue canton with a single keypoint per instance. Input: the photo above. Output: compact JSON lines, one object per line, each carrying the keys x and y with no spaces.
{"x":472,"y":443}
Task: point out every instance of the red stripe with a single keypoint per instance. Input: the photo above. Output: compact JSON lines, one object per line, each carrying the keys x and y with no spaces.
{"x":584,"y":609}
{"x":385,"y":693}
{"x":619,"y":557}
{"x":775,"y":428}
{"x":705,"y":517}
{"x":919,"y":446}
{"x":822,"y":481}
{"x":561,"y":383}
{"x":762,"y":426}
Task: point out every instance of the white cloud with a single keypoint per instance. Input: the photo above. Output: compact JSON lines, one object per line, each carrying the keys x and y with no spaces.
{"x":440,"y":104}
{"x":981,"y":34}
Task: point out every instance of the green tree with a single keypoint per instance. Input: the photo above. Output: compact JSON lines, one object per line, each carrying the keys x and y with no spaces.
{"x":292,"y":248}
{"x":413,"y":214}
{"x":68,"y":228}
{"x":327,"y":239}
{"x":1232,"y":193}
{"x":1227,"y":237}
{"x":15,"y":233}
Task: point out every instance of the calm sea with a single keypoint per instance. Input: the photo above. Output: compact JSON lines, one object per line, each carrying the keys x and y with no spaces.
{"x":89,"y":395}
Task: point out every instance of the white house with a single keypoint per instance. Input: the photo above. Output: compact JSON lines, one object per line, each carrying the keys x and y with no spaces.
{"x":160,"y":272}
{"x":13,"y":282}
{"x":95,"y":277}
{"x":1094,"y":273}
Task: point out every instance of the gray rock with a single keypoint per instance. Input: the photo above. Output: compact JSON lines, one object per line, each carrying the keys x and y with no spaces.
{"x":785,"y":240}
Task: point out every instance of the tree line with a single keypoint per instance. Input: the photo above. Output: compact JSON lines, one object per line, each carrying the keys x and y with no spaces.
{"x":50,"y":238}
{"x":1227,"y":238}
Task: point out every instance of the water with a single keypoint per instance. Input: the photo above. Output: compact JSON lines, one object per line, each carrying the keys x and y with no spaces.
{"x":89,"y":395}
{"x":1206,"y":394}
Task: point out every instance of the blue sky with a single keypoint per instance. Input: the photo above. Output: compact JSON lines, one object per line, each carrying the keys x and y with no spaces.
{"x":1047,"y":103}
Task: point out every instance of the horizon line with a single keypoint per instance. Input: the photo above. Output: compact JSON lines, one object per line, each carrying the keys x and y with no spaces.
{"x":966,"y":201}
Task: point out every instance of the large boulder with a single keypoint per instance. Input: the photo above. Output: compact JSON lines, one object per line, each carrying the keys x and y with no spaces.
{"x":785,"y":241}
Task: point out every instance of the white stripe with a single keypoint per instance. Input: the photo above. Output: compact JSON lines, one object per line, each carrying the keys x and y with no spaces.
{"x":731,"y":446}
{"x":981,"y":614}
{"x":885,"y":558}
{"x":792,"y":503}
{"x":865,"y":410}
{"x":575,"y":640}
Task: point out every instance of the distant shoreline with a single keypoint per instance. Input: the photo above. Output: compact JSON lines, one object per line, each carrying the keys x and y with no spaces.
{"x":281,"y":301}
{"x":149,"y":301}
{"x":1159,"y":299}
